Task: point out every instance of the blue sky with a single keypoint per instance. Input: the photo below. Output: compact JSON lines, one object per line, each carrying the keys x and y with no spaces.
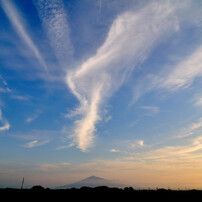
{"x":99,"y":87}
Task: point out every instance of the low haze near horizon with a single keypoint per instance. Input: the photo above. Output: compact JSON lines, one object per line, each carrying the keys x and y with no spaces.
{"x":111,"y":88}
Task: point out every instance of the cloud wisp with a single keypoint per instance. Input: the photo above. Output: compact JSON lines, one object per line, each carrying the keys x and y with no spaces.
{"x":47,"y":167}
{"x":35,"y":143}
{"x":4,"y":123}
{"x":18,"y":25}
{"x":54,"y":18}
{"x":130,"y":39}
{"x":177,"y":77}
{"x":185,"y":72}
{"x":199,"y":102}
{"x":114,"y":150}
{"x":151,"y":110}
{"x":4,"y":86}
{"x":5,"y":127}
{"x":173,"y":151}
{"x":33,"y":117}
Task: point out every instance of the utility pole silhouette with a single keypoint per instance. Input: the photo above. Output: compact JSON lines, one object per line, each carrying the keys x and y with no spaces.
{"x":22,"y":182}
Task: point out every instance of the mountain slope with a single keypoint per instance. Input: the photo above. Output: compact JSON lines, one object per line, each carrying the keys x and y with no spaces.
{"x":92,"y":181}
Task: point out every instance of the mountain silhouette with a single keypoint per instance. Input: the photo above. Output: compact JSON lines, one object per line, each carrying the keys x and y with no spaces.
{"x":92,"y":181}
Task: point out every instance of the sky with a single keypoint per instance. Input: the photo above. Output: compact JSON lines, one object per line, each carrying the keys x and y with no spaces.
{"x":111,"y":88}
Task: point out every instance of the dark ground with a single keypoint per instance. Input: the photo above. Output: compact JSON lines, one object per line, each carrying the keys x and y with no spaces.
{"x":99,"y":194}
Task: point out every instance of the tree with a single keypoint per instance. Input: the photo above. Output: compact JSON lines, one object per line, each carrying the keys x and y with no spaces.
{"x":37,"y":188}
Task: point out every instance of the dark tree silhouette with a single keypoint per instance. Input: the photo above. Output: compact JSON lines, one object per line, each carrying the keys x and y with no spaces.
{"x":37,"y":188}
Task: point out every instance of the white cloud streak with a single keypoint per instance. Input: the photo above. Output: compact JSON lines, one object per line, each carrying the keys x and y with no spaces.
{"x":6,"y":125}
{"x":114,"y":150}
{"x":173,"y":151}
{"x":65,"y":146}
{"x":131,"y":37}
{"x":185,"y":72}
{"x":137,"y":144}
{"x":199,"y":102}
{"x":178,"y":77}
{"x":17,"y":23}
{"x":53,"y":166}
{"x":151,"y":109}
{"x":3,"y":81}
{"x":5,"y":90}
{"x":35,"y":143}
{"x":0,"y":114}
{"x":20,"y":97}
{"x":32,"y":118}
{"x":193,"y":129}
{"x":196,"y":125}
{"x":4,"y":86}
{"x":55,"y":21}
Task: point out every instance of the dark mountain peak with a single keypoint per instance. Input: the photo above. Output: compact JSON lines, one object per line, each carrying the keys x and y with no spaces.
{"x":93,"y":177}
{"x":92,"y":181}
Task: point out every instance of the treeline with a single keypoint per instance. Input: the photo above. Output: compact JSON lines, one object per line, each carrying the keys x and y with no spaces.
{"x":99,"y":193}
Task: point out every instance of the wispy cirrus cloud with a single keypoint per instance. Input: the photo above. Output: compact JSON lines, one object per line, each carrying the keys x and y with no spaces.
{"x":199,"y":102}
{"x":184,"y":73}
{"x":5,"y":90}
{"x":35,"y":143}
{"x":137,"y":143}
{"x":178,"y":77}
{"x":54,"y":18}
{"x":33,"y":117}
{"x":19,"y":26}
{"x":151,"y":110}
{"x":190,"y":130}
{"x":4,"y":123}
{"x":6,"y":126}
{"x":196,"y":125}
{"x":53,"y":166}
{"x":130,"y":39}
{"x":21,"y":97}
{"x":4,"y":86}
{"x":65,"y":146}
{"x":173,"y":151}
{"x":114,"y":150}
